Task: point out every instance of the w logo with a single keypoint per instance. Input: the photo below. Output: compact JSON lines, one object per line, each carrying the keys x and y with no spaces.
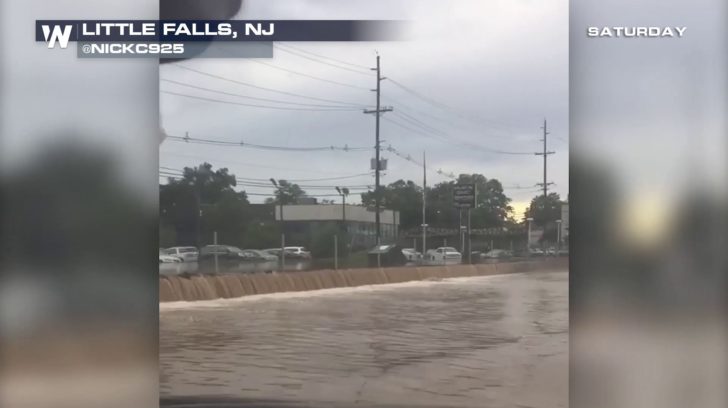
{"x":62,"y":34}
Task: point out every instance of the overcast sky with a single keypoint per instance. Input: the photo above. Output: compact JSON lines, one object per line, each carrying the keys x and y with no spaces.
{"x":502,"y":63}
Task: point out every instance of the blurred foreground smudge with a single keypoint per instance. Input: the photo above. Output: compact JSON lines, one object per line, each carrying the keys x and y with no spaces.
{"x":78,"y":284}
{"x":647,"y":315}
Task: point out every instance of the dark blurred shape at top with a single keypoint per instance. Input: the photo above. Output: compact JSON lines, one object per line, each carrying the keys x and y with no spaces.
{"x":197,"y":10}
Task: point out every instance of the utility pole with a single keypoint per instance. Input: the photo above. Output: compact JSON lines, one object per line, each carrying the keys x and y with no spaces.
{"x":424,"y":204}
{"x":545,"y":155}
{"x":377,"y":163}
{"x":283,"y":233}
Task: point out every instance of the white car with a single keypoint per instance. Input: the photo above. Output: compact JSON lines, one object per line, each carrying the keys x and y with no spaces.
{"x":297,"y":252}
{"x":186,"y":254}
{"x":411,"y":254}
{"x":443,"y":254}
{"x":497,"y":254}
{"x":168,"y":259}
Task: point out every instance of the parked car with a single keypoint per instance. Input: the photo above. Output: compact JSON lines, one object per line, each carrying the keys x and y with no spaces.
{"x":186,"y":254}
{"x":497,"y":254}
{"x":411,"y":254}
{"x":164,"y":258}
{"x":444,"y":254}
{"x":261,"y":256}
{"x":536,"y":252}
{"x":224,"y":253}
{"x":297,"y":252}
{"x":273,"y":251}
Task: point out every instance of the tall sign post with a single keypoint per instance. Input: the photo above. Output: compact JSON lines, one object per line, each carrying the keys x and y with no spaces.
{"x":463,"y":197}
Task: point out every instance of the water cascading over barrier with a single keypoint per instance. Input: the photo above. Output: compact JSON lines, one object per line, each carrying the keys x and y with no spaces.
{"x":209,"y":287}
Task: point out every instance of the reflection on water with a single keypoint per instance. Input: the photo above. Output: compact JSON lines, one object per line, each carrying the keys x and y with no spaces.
{"x":487,"y":341}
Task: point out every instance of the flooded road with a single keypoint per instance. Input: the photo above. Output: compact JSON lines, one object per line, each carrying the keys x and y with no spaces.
{"x":496,"y":341}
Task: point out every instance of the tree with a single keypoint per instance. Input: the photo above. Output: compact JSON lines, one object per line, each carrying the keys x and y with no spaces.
{"x":200,"y":203}
{"x":286,"y":193}
{"x":544,"y":210}
{"x":209,"y":185}
{"x":492,"y":205}
{"x":402,"y":196}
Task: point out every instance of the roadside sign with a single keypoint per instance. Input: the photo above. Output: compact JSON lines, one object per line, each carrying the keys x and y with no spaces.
{"x":463,"y":196}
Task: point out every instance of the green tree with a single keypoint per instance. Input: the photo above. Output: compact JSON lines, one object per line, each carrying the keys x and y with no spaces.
{"x":402,"y":196}
{"x":544,"y":210}
{"x":286,"y":193}
{"x":492,"y":205}
{"x":201,"y":202}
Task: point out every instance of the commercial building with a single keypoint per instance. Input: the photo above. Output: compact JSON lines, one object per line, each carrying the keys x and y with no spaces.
{"x":357,"y":222}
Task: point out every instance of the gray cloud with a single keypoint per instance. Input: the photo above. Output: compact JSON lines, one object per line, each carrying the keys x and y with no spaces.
{"x":504,"y":62}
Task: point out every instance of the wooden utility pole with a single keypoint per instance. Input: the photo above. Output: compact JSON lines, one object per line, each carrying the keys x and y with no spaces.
{"x":377,"y":146}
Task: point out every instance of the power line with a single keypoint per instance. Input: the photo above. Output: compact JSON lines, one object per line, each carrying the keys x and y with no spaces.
{"x":499,"y":132}
{"x":442,"y":106}
{"x":202,"y":98}
{"x":320,"y":61}
{"x":324,"y":57}
{"x":236,"y":81}
{"x":347,"y":107}
{"x":187,"y":139}
{"x":364,"y":67}
{"x":419,"y":164}
{"x":266,"y":184}
{"x":452,"y":141}
{"x":420,"y":123}
{"x":314,"y":179}
{"x":415,"y":131}
{"x":310,"y":76}
{"x":267,"y":195}
{"x":250,"y":164}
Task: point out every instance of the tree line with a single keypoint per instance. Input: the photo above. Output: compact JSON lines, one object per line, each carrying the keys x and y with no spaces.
{"x":203,"y":200}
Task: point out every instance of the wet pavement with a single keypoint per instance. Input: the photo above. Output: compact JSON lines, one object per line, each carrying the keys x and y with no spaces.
{"x":497,"y":341}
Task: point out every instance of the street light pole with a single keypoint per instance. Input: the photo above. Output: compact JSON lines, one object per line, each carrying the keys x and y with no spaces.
{"x":528,"y":237}
{"x":343,"y":192}
{"x":283,"y":234}
{"x":558,"y":236}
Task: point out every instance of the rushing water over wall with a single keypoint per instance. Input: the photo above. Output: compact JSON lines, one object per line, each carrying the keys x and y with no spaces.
{"x":191,"y":288}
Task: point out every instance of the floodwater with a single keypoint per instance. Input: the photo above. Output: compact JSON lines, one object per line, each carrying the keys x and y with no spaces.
{"x":496,"y":341}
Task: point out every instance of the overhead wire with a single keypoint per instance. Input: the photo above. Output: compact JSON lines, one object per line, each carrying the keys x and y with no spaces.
{"x":278,"y":91}
{"x":287,"y":45}
{"x":202,"y":98}
{"x":187,"y":139}
{"x":302,"y":55}
{"x":310,"y":76}
{"x":202,"y":88}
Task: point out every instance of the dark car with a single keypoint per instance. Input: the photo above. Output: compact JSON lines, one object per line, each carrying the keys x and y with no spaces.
{"x":224,"y":253}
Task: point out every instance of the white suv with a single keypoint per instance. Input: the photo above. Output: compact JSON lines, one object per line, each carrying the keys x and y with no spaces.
{"x":186,"y":254}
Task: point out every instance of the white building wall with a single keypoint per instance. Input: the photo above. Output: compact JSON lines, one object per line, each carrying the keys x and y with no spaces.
{"x":333,"y":212}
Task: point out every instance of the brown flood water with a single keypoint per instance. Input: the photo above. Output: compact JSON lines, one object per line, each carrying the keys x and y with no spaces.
{"x":493,"y":341}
